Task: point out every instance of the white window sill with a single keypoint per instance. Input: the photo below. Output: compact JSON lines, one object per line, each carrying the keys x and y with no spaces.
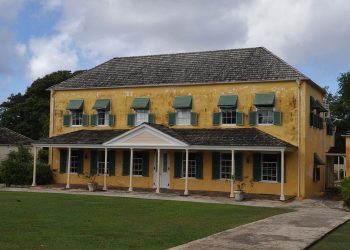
{"x":265,"y":124}
{"x":272,"y":182}
{"x":102,"y":126}
{"x":138,"y":176}
{"x":76,"y":126}
{"x":192,"y":178}
{"x":229,"y":125}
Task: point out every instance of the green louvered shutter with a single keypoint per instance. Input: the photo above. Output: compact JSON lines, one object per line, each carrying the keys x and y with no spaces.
{"x":80,"y":161}
{"x":151,"y":118}
{"x":239,"y":118}
{"x":93,"y":162}
{"x":199,"y":165}
{"x":126,"y":163}
{"x":277,"y":118}
{"x":216,"y":118}
{"x":111,"y":120}
{"x":66,"y":120}
{"x":63,"y":160}
{"x":239,"y":166}
{"x":111,"y":162}
{"x":252,"y":118}
{"x":85,"y":120}
{"x":194,"y":118}
{"x":257,"y":167}
{"x":171,"y":118}
{"x":215,"y":165}
{"x":131,"y":119}
{"x":93,"y":121}
{"x":145,"y":167}
{"x":279,"y":168}
{"x":178,"y":164}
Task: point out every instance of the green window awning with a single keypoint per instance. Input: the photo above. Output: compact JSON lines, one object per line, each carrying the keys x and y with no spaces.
{"x":183,"y":102}
{"x":140,"y":103}
{"x":75,"y":105}
{"x":318,"y":160}
{"x":229,"y":101}
{"x":104,"y":104}
{"x":264,"y":99}
{"x":316,"y":104}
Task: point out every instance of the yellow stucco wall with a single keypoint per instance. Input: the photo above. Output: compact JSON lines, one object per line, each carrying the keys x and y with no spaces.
{"x":205,"y":100}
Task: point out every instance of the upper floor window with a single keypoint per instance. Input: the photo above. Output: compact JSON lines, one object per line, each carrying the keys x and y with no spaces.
{"x":228,"y":116}
{"x":142,"y":116}
{"x":77,"y":117}
{"x":102,"y":117}
{"x":183,"y":117}
{"x":265,"y":115}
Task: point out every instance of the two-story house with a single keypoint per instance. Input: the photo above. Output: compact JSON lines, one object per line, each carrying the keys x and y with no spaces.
{"x":192,"y":121}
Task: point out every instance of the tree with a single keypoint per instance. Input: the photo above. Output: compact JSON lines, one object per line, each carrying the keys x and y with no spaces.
{"x":340,"y":108}
{"x":29,"y":114}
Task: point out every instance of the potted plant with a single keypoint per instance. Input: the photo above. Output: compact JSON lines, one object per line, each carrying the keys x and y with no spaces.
{"x":239,"y":190}
{"x":92,"y":184}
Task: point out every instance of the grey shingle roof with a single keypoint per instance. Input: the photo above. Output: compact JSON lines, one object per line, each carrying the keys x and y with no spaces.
{"x":235,"y":65}
{"x":9,"y":137}
{"x":195,"y":137}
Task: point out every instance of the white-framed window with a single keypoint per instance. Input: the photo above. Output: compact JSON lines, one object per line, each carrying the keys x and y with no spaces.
{"x":102,"y":117}
{"x":101,"y":162}
{"x":138,"y":165}
{"x":191,"y":165}
{"x":228,"y":116}
{"x":269,"y":163}
{"x":141,"y":116}
{"x":265,"y":115}
{"x":77,"y":117}
{"x":225,"y":165}
{"x":74,"y":162}
{"x":183,"y":117}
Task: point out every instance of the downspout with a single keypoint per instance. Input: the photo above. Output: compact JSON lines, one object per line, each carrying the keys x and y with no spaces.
{"x":299,"y":113}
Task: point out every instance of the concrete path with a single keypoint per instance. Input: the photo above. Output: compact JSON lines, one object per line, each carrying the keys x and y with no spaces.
{"x":296,"y":230}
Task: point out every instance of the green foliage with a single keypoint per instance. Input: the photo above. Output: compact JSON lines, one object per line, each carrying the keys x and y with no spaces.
{"x":28,"y":114}
{"x":340,"y":108}
{"x":17,"y":169}
{"x":43,"y":155}
{"x":345,"y":191}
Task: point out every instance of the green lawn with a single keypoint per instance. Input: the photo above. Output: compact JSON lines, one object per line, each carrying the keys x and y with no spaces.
{"x":338,"y":239}
{"x":58,"y":221}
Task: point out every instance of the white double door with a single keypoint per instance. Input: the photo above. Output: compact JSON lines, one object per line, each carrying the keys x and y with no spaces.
{"x":164,"y":170}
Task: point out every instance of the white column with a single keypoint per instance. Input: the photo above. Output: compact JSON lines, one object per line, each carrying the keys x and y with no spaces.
{"x":68,"y":167}
{"x":186,"y":174}
{"x":344,"y":163}
{"x":282,"y":198}
{"x":105,"y":171}
{"x":131,"y":168}
{"x":158,"y":171}
{"x":232,"y":172}
{"x":34,"y":167}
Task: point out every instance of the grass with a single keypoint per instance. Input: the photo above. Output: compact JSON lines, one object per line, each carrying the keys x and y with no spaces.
{"x":61,"y":221}
{"x":338,"y":239}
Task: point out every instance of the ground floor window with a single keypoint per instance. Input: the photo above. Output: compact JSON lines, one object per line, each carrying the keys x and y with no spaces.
{"x":269,"y":167}
{"x":225,"y":165}
{"x":191,"y":165}
{"x":137,"y":164}
{"x":101,"y":162}
{"x":74,"y":162}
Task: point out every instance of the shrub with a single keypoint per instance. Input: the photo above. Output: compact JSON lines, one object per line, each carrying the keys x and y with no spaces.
{"x":17,"y":169}
{"x":345,"y":191}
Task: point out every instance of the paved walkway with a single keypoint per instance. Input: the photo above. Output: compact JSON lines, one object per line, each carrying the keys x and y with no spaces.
{"x":296,"y":230}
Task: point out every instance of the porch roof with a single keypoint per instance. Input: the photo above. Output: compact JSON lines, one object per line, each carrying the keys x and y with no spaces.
{"x":228,"y":137}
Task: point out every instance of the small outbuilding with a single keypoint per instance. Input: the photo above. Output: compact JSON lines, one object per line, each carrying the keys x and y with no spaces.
{"x":10,"y":141}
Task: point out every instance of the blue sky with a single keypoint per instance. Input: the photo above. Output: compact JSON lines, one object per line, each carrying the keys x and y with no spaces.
{"x":38,"y":37}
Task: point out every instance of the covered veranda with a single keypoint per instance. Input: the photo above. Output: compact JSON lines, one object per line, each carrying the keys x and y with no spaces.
{"x":159,"y":139}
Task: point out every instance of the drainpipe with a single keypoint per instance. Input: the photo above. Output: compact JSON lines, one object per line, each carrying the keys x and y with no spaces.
{"x":299,"y":85}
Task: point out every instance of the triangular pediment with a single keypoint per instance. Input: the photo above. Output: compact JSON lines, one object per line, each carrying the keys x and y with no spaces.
{"x":145,"y":136}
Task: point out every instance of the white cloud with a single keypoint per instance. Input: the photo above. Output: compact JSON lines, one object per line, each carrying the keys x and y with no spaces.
{"x":51,"y":54}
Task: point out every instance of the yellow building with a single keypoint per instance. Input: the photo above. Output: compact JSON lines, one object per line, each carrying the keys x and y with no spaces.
{"x":203,"y":121}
